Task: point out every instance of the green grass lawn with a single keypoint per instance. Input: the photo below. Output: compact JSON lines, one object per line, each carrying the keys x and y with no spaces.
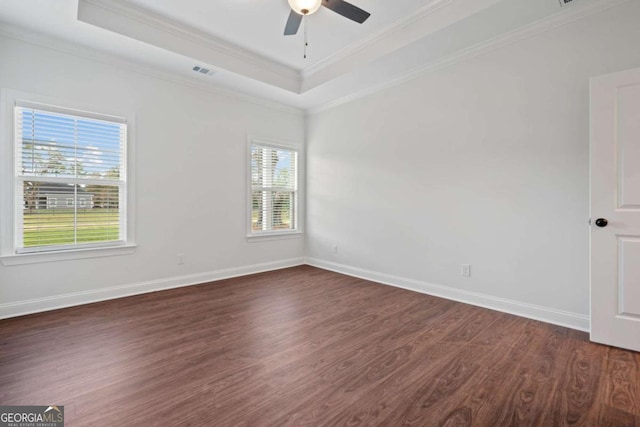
{"x":57,"y":226}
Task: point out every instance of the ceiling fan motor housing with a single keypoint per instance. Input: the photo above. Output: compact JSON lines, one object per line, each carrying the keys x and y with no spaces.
{"x":301,"y":8}
{"x":305,"y":7}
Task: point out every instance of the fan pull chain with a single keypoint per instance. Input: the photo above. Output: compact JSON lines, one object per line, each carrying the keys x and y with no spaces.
{"x":306,"y":40}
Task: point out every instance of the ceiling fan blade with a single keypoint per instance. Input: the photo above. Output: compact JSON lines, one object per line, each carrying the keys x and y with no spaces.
{"x":293,"y":23}
{"x":347,"y":10}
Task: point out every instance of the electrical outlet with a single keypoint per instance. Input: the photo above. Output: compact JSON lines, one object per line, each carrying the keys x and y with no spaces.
{"x":334,"y":249}
{"x":180,"y":259}
{"x":466,"y":270}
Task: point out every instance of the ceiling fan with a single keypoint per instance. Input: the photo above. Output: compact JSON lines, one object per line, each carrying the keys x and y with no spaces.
{"x":301,"y":8}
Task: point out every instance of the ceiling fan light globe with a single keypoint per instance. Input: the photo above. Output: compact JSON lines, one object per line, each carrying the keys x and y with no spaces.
{"x":305,"y":7}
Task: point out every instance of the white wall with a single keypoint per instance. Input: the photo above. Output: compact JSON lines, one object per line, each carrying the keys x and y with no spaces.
{"x":485,"y":162}
{"x":190,"y":180}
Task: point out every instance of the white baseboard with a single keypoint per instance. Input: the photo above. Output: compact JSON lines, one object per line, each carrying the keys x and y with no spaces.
{"x":544,"y":314}
{"x":37,"y":305}
{"x":530,"y":311}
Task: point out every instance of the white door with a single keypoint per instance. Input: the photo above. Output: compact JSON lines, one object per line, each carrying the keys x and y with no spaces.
{"x":615,"y":209}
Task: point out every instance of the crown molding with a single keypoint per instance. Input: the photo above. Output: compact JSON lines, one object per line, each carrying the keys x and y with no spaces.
{"x":565,"y":16}
{"x":364,"y":43}
{"x":429,"y":19}
{"x":146,"y":26}
{"x":38,"y":39}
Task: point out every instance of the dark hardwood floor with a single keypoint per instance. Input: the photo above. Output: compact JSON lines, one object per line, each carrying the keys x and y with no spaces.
{"x":304,"y":346}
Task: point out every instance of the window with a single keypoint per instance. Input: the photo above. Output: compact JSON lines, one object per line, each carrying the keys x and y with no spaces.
{"x":80,"y":158}
{"x":274,"y":189}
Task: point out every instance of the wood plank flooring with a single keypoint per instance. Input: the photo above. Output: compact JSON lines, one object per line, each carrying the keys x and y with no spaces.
{"x":303,"y":346}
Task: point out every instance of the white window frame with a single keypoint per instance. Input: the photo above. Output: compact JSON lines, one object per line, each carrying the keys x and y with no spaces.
{"x":10,"y":219}
{"x":299,"y":203}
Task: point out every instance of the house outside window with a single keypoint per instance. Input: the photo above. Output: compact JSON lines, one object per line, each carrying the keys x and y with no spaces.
{"x":67,"y":159}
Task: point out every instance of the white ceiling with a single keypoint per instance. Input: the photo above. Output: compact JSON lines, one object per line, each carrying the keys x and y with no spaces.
{"x":242,"y":39}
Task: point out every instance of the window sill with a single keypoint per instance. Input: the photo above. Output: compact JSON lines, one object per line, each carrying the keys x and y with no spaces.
{"x":34,"y":258}
{"x":265,"y":237}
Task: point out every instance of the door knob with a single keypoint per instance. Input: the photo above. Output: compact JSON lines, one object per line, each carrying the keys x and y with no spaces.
{"x":601,"y":222}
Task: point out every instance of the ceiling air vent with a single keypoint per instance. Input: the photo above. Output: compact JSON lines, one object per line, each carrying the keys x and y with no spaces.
{"x":565,"y":2}
{"x":203,"y":70}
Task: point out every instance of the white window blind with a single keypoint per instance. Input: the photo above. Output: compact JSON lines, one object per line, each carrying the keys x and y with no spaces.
{"x":70,"y":179}
{"x":274,"y":189}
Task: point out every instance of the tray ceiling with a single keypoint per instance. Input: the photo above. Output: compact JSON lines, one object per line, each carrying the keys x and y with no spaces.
{"x":257,"y":25}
